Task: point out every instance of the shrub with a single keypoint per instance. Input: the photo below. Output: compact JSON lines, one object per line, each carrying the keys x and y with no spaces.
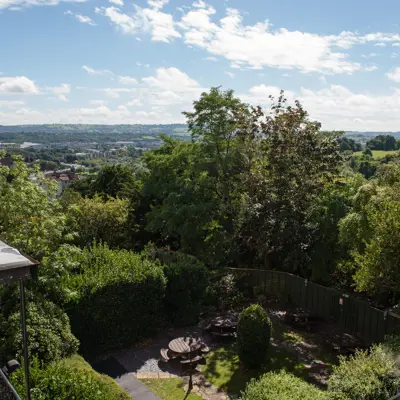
{"x":71,"y":378}
{"x":186,"y":286}
{"x":253,"y":336}
{"x":223,"y":293}
{"x":281,"y":386}
{"x":49,"y":331}
{"x":365,"y":376}
{"x":118,"y":298}
{"x":392,"y":344}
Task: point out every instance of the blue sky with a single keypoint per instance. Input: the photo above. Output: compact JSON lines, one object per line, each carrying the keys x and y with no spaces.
{"x":114,"y":61}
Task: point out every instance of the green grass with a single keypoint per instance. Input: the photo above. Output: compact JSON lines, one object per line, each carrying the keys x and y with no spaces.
{"x":169,"y":389}
{"x":377,"y":154}
{"x":224,"y":370}
{"x":147,"y":137}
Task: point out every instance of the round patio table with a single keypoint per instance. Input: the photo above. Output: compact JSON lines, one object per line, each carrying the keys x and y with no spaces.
{"x":184,"y":345}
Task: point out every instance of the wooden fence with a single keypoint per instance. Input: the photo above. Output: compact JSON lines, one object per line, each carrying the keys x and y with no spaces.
{"x":354,"y":315}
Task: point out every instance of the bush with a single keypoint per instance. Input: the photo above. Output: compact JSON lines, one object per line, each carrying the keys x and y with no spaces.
{"x":281,"y":386}
{"x":223,"y":293}
{"x":365,"y":376}
{"x":71,"y":378}
{"x":118,"y":298}
{"x":392,"y":344}
{"x":186,"y":286}
{"x":253,"y":336}
{"x":49,"y":332}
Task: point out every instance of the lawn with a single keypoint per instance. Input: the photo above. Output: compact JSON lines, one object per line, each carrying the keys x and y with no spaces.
{"x":290,"y":350}
{"x":169,"y":389}
{"x":377,"y":154}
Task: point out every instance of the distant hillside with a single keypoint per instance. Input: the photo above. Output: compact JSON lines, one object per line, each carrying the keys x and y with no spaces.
{"x":371,"y":134}
{"x":79,"y":128}
{"x":64,"y":133}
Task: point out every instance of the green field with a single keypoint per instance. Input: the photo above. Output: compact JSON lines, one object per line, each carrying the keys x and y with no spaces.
{"x":378,"y":153}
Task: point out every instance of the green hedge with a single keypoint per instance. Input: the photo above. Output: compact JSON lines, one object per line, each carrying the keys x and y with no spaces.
{"x":253,"y":336}
{"x":186,"y":287}
{"x":364,"y":376}
{"x":71,"y":378}
{"x":281,"y":386}
{"x":118,"y":299}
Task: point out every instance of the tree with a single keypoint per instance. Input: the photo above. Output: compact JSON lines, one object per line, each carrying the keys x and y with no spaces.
{"x":30,"y":217}
{"x":98,"y":219}
{"x":296,"y":162}
{"x":382,"y":142}
{"x":371,"y":232}
{"x":113,"y":180}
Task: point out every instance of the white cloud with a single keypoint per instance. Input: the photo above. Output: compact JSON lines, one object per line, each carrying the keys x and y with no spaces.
{"x":199,"y":4}
{"x":394,"y":75}
{"x":81,"y":18}
{"x":157,"y":3}
{"x":370,"y":55}
{"x":160,"y":25}
{"x":371,"y":68}
{"x":127,"y":80}
{"x":339,"y":108}
{"x":257,"y":46}
{"x":134,"y":103}
{"x":396,"y":44}
{"x":92,"y":71}
{"x":97,"y":102}
{"x":19,"y":4}
{"x":171,"y":79}
{"x":211,"y":58}
{"x":230,"y":74}
{"x":380,"y":44}
{"x":114,"y":93}
{"x":117,"y":2}
{"x":61,"y":91}
{"x":17,"y":84}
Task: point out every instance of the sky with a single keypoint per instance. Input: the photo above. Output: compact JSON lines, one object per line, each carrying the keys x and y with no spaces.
{"x":124,"y":62}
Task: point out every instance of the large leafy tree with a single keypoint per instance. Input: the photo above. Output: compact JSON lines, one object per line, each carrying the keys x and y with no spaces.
{"x":371,"y":232}
{"x":297,"y":160}
{"x":31,"y":218}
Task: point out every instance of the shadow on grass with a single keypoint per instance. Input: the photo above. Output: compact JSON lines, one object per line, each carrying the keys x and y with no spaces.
{"x":289,"y":350}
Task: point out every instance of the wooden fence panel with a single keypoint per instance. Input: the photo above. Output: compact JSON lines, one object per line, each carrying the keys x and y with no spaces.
{"x":356,"y":316}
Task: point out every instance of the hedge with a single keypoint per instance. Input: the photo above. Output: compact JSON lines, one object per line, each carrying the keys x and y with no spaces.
{"x":118,"y":299}
{"x":281,"y":386}
{"x":71,"y":378}
{"x":253,"y":336}
{"x":186,"y":287}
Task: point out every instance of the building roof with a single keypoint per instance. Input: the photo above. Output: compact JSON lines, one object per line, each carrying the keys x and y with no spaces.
{"x":13,"y":264}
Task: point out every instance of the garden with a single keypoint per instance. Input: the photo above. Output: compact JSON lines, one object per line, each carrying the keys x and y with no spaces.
{"x":138,"y":255}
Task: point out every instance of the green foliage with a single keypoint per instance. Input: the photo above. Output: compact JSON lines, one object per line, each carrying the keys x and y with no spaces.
{"x":49,"y":332}
{"x":68,"y":379}
{"x":281,"y":386}
{"x":365,"y":376}
{"x":392,"y":344}
{"x":253,"y":336}
{"x":223,"y":293}
{"x":382,"y":142}
{"x":30,"y":218}
{"x":186,"y":286}
{"x":347,"y":144}
{"x":98,"y":219}
{"x":113,"y":180}
{"x":118,"y":298}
